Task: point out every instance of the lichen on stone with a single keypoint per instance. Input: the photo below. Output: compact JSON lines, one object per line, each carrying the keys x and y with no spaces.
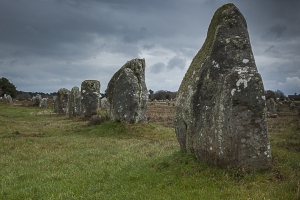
{"x":216,"y":102}
{"x":127,"y":90}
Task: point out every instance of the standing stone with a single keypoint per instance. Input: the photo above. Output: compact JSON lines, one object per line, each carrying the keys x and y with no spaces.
{"x":90,"y":93}
{"x":43,"y":103}
{"x":7,"y":99}
{"x":74,"y":102}
{"x":292,"y":105}
{"x":279,"y":106}
{"x":36,"y":100}
{"x":127,"y":93}
{"x":104,"y":104}
{"x":62,"y":100}
{"x":220,"y":113}
{"x":55,"y":101}
{"x":271,"y":105}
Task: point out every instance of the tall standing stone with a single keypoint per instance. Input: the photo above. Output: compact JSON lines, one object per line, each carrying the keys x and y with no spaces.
{"x":74,"y":102}
{"x":271,"y":105}
{"x":220,"y":113}
{"x":90,"y":92}
{"x":127,"y":93}
{"x":62,"y":101}
{"x":55,"y":104}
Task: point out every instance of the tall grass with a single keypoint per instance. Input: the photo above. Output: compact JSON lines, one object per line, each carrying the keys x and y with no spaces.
{"x":48,"y":156}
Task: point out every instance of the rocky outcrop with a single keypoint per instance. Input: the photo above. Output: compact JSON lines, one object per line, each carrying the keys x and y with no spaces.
{"x":220,"y":113}
{"x":127,"y":93}
{"x":74,"y":102}
{"x":90,"y":93}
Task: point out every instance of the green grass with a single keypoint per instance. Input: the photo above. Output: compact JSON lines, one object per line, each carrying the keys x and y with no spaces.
{"x":48,"y":156}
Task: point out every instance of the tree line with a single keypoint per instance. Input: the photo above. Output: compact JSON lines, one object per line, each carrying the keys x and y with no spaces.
{"x":8,"y":88}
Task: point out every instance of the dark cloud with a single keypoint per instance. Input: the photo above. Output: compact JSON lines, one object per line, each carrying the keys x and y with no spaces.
{"x":176,"y":62}
{"x":136,"y":36}
{"x":148,"y":46}
{"x":50,"y":44}
{"x":272,"y":50}
{"x":157,"y":68}
{"x":276,"y":32}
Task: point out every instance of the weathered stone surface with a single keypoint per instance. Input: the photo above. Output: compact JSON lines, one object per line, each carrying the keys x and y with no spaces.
{"x":43,"y":103}
{"x":220,"y":113}
{"x":55,"y":101}
{"x":292,"y":105}
{"x":127,"y":93}
{"x":90,"y":93}
{"x":36,"y":100}
{"x":7,"y":99}
{"x":62,"y":101}
{"x":271,"y":105}
{"x":74,"y":102}
{"x":104,"y":104}
{"x":279,"y":106}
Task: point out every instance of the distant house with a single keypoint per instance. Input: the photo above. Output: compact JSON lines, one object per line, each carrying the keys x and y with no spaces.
{"x":294,"y":97}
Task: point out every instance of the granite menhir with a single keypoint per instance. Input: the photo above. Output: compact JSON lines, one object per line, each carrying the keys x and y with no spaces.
{"x":127,"y":93}
{"x":220,"y":113}
{"x":75,"y":102}
{"x":61,"y":102}
{"x":90,"y":94}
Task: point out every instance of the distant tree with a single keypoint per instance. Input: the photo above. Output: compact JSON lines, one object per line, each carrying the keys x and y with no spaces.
{"x":279,"y":94}
{"x":150,"y":93}
{"x":163,"y":95}
{"x":23,"y":95}
{"x":270,"y":94}
{"x":8,"y":88}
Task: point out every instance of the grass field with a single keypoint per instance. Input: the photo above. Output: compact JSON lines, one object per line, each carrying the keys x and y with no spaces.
{"x":49,"y":156}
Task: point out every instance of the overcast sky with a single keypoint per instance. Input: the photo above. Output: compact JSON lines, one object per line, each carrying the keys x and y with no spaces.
{"x":46,"y":45}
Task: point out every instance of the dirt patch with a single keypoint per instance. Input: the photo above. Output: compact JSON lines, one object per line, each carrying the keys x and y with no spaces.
{"x":161,"y":113}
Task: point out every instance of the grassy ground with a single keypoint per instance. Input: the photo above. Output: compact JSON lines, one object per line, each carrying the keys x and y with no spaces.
{"x":47,"y":156}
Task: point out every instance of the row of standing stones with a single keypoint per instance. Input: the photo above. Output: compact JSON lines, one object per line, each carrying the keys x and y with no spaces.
{"x":220,"y":110}
{"x":126,"y":100}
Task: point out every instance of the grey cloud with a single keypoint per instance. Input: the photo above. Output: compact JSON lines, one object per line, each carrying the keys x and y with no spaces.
{"x":148,"y":46}
{"x":276,"y":32}
{"x":136,"y":36}
{"x":272,"y":50}
{"x":38,"y":37}
{"x":176,"y":62}
{"x":157,"y":68}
